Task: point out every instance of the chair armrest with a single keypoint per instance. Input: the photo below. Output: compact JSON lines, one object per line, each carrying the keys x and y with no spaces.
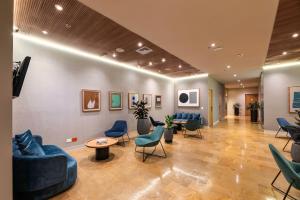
{"x":38,"y":139}
{"x":32,"y":173}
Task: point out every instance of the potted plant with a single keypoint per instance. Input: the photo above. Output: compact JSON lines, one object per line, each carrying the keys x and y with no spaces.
{"x":236,"y":108}
{"x":168,"y":134}
{"x":253,"y":107}
{"x":141,"y":114}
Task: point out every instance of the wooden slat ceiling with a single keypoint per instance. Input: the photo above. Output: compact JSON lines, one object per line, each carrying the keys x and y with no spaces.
{"x":93,"y":32}
{"x":287,"y":23}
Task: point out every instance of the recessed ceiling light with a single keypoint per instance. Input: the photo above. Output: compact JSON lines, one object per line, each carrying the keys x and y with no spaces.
{"x":45,"y":32}
{"x":150,"y":63}
{"x":58,"y":7}
{"x":114,"y":55}
{"x":284,"y":53}
{"x":179,"y":66}
{"x":228,"y":66}
{"x":240,"y":54}
{"x":68,"y":26}
{"x":295,"y":35}
{"x":163,"y":60}
{"x":213,"y":45}
{"x":120,"y":50}
{"x":243,"y":86}
{"x":140,"y":44}
{"x":239,"y":80}
{"x":235,"y":75}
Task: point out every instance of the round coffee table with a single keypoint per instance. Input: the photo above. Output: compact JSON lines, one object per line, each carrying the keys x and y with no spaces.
{"x":102,"y":150}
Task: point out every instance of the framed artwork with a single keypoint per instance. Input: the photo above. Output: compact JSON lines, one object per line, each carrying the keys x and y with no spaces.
{"x":148,"y":99}
{"x":132,"y":99}
{"x":157,"y":101}
{"x":294,"y":98}
{"x":90,"y":100}
{"x":188,"y":98}
{"x":115,"y":101}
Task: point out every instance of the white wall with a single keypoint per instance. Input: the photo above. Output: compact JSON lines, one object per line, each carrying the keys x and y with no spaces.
{"x":218,"y":93}
{"x":238,"y":96}
{"x":50,"y":102}
{"x":276,"y":83}
{"x":6,"y":18}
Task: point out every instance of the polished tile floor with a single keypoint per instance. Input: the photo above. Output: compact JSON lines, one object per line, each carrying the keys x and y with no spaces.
{"x":231,"y":162}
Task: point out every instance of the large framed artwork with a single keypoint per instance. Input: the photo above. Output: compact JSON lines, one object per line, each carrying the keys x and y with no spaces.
{"x":157,"y":101}
{"x":148,"y":99}
{"x":115,"y":100}
{"x":91,"y":100}
{"x":188,"y":98}
{"x":294,"y":98}
{"x":132,"y":99}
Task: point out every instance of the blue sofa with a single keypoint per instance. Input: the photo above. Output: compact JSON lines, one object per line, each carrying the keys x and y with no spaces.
{"x":40,"y":171}
{"x":188,"y":117}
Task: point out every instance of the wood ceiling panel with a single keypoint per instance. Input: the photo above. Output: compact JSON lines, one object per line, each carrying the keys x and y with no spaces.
{"x":286,"y":23}
{"x":92,"y":32}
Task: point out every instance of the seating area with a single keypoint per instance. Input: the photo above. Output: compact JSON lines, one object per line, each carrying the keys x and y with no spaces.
{"x":141,"y":100}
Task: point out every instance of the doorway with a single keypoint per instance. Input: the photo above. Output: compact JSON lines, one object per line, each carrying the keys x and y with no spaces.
{"x":210,"y":108}
{"x":249,"y":98}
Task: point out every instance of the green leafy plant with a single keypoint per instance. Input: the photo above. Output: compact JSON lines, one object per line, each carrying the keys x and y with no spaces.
{"x":169,"y":121}
{"x":253,"y":106}
{"x":140,"y":110}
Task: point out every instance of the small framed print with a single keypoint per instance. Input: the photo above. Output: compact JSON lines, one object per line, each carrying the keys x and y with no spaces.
{"x":157,"y":101}
{"x":133,"y":98}
{"x":115,"y":100}
{"x":91,"y":100}
{"x":148,"y":99}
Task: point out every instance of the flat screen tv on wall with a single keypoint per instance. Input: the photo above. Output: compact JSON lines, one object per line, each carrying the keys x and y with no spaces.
{"x":19,"y":73}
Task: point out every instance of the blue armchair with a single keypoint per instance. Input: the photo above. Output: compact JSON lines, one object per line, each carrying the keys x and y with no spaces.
{"x":40,"y":171}
{"x":290,"y":171}
{"x":150,"y":140}
{"x":119,"y":129}
{"x":294,"y":132}
{"x":282,"y":122}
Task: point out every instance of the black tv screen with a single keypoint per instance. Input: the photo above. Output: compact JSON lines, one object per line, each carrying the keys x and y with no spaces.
{"x":19,"y":73}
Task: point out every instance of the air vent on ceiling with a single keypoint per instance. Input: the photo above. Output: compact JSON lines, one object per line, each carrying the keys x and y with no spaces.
{"x":144,"y":50}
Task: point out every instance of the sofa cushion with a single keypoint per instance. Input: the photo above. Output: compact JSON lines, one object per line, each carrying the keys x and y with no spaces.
{"x":33,"y":149}
{"x":178,"y":115}
{"x":184,"y":116}
{"x":190,"y":116}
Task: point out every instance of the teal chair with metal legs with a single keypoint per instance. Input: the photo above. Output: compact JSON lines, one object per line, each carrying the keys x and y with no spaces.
{"x":150,"y":140}
{"x":193,"y":125}
{"x":290,"y":171}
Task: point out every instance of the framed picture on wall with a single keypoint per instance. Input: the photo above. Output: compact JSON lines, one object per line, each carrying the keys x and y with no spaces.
{"x":188,"y":98}
{"x":132,"y":99}
{"x":294,"y":98}
{"x":115,"y":100}
{"x":91,"y":100}
{"x":157,"y":101}
{"x":148,"y":99}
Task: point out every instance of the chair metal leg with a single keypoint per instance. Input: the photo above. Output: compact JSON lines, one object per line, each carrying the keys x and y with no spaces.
{"x":163,"y":149}
{"x":286,"y":145}
{"x":286,"y":194}
{"x":146,"y":155}
{"x":278,"y":132}
{"x":123,"y":141}
{"x":199,"y":133}
{"x":128,"y":137}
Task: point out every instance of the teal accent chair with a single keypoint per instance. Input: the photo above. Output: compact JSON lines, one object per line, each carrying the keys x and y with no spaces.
{"x":290,"y":171}
{"x":193,"y":125}
{"x":150,"y":140}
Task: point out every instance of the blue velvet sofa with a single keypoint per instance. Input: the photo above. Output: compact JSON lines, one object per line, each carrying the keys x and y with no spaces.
{"x":188,"y":117}
{"x":40,"y":171}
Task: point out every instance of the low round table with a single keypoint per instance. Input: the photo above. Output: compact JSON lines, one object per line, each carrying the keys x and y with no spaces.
{"x":102,"y":150}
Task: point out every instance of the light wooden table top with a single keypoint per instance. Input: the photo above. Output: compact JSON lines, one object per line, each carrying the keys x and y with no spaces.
{"x":94,"y":144}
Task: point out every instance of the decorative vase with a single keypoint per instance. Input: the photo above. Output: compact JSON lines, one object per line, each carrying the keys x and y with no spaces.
{"x":254,"y":115}
{"x":143,"y":126}
{"x":168,"y":135}
{"x":295,"y":152}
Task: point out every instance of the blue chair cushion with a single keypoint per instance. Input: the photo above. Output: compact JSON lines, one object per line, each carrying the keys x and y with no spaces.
{"x":196,"y":116}
{"x":33,"y":149}
{"x":184,"y":116}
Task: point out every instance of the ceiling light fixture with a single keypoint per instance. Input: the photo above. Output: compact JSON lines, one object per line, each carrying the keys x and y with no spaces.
{"x":150,"y":63}
{"x":114,"y":55}
{"x":45,"y":32}
{"x":120,"y":50}
{"x":228,"y":66}
{"x":295,"y":35}
{"x":58,"y":7}
{"x":284,"y":53}
{"x":234,"y":75}
{"x":179,"y":66}
{"x":240,"y":54}
{"x":239,"y":80}
{"x":163,"y":60}
{"x":68,"y":26}
{"x":213,"y":45}
{"x":140,"y":44}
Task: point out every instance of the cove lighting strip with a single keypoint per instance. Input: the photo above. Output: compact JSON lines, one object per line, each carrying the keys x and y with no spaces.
{"x":71,"y":50}
{"x":281,"y":65}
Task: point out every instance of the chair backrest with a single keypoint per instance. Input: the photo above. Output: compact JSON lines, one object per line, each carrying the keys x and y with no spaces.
{"x":193,"y":125}
{"x":282,"y":122}
{"x":152,"y":120}
{"x":284,"y":165}
{"x":294,"y":132}
{"x":120,"y":125}
{"x":157,"y":133}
